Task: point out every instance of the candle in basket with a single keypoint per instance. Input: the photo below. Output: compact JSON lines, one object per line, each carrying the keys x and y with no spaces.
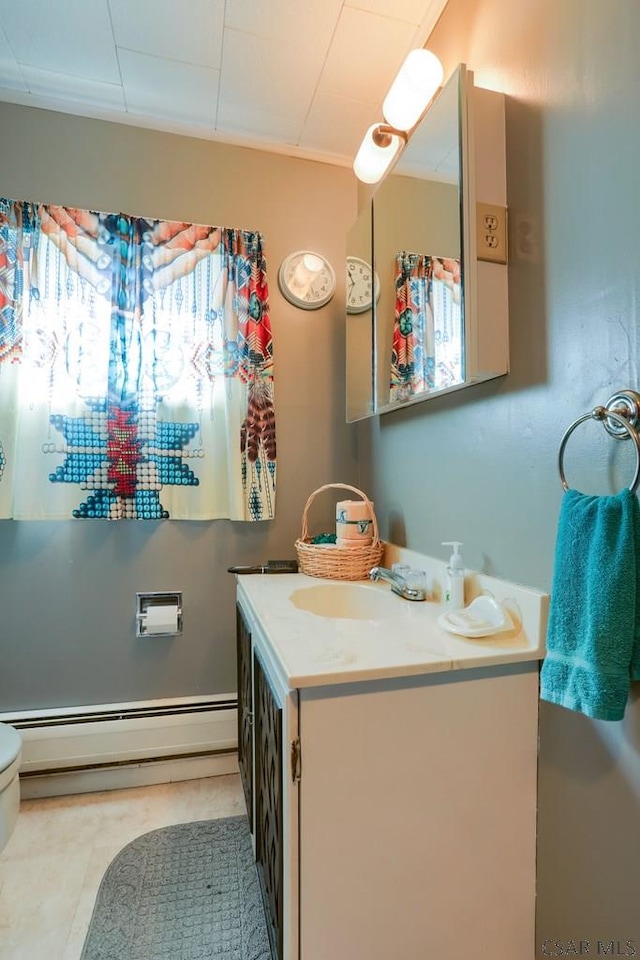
{"x":354,"y":521}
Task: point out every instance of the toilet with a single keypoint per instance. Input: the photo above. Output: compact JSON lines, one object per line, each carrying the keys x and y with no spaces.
{"x":10,"y":753}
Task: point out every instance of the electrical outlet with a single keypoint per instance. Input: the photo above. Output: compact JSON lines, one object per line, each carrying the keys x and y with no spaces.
{"x":491,"y":232}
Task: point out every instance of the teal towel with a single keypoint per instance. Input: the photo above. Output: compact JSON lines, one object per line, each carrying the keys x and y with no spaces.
{"x":593,"y":636}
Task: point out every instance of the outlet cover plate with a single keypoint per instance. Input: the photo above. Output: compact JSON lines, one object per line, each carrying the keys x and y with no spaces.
{"x":491,"y":232}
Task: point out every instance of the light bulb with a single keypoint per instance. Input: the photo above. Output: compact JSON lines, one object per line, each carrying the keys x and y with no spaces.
{"x":373,"y":161}
{"x":410,"y":93}
{"x":312,"y":262}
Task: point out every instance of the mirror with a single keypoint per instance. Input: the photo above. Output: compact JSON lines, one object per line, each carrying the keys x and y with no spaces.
{"x":424,"y":335}
{"x":360,"y":347}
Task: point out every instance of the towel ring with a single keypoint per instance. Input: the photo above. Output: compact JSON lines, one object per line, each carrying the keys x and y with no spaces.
{"x":623,"y":431}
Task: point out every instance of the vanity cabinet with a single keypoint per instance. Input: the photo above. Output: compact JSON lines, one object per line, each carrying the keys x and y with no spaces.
{"x":266,"y":716}
{"x":396,"y":816}
{"x":267,"y":789}
{"x":245,"y":711}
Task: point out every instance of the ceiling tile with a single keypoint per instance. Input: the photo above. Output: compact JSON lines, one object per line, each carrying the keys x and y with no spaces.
{"x":412,"y":11}
{"x":10,"y":75}
{"x":66,"y":36}
{"x":365,"y":55}
{"x":336,"y":124}
{"x":170,"y":28}
{"x":61,"y":86}
{"x":266,"y":87}
{"x":298,"y":21}
{"x":169,"y":89}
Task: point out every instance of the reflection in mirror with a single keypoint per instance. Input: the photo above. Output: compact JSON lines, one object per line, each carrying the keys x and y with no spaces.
{"x":426,"y":336}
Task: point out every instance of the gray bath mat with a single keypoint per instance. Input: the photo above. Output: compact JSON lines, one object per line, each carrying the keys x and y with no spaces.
{"x":186,"y":892}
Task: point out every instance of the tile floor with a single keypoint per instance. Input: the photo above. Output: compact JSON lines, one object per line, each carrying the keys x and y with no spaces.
{"x":52,"y":866}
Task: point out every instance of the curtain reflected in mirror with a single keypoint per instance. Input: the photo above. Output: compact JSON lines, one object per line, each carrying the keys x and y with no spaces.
{"x":428,"y":347}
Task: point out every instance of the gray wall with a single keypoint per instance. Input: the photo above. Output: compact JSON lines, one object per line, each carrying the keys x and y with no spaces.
{"x":67,"y":589}
{"x":480,"y":466}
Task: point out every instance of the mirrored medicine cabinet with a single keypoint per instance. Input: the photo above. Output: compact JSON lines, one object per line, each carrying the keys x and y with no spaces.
{"x":439,"y":319}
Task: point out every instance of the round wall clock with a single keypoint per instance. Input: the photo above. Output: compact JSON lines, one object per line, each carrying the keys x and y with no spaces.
{"x":306,"y":280}
{"x":362,"y":285}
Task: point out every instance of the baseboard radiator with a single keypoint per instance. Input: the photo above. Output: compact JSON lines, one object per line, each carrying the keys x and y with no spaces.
{"x":110,"y":746}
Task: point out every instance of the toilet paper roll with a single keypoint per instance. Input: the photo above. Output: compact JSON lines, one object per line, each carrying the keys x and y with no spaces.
{"x":349,"y":510}
{"x":162,"y":618}
{"x":354,"y":544}
{"x":353,"y":520}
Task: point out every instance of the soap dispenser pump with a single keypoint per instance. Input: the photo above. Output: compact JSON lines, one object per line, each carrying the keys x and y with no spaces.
{"x":454,"y":594}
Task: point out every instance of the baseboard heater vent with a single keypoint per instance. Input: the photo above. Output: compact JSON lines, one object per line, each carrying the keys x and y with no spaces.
{"x":115,"y":736}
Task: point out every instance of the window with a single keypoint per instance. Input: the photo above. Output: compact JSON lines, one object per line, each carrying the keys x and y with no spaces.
{"x":136,"y":367}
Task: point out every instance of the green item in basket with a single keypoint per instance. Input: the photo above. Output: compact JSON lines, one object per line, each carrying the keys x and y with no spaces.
{"x":324,"y":538}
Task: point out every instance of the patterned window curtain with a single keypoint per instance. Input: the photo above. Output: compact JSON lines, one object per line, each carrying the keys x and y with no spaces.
{"x":136,"y":368}
{"x":428,"y":346}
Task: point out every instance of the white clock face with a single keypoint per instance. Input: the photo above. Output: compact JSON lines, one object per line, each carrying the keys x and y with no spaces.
{"x":307,"y":280}
{"x":362,"y":285}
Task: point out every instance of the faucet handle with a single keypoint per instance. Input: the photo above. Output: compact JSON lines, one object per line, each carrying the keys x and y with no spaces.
{"x":413,"y":578}
{"x":416,"y":580}
{"x":401,"y":570}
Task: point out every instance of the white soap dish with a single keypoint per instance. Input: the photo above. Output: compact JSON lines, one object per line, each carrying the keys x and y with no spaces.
{"x":484,"y":617}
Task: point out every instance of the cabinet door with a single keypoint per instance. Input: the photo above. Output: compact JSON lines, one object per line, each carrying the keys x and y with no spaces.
{"x":268,"y":800}
{"x":245,"y":711}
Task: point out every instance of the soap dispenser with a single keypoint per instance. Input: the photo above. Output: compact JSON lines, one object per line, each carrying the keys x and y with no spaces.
{"x":454,"y":593}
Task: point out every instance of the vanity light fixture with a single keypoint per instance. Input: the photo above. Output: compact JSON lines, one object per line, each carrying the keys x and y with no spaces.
{"x":415,"y":85}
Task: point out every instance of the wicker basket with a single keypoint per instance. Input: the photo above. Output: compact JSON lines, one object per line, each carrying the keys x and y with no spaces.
{"x":333,"y":562}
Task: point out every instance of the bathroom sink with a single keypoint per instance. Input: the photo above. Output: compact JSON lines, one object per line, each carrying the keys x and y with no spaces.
{"x":347,"y":601}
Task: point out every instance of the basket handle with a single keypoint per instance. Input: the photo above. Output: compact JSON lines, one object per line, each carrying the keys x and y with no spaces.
{"x":342,"y":486}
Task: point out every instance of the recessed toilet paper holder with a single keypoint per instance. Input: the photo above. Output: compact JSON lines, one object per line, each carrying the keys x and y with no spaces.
{"x":159,"y":614}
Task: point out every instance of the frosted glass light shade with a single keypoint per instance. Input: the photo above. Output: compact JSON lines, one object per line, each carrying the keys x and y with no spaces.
{"x":415,"y":84}
{"x":372,"y":161}
{"x":305,"y":273}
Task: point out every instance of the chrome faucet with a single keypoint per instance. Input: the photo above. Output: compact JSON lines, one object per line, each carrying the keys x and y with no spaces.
{"x":398,"y":584}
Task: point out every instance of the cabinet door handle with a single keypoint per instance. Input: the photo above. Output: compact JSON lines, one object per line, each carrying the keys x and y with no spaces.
{"x":295,"y":760}
{"x":247,"y":717}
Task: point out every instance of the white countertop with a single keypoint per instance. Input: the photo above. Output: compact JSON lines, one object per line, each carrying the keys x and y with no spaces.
{"x":313,"y":650}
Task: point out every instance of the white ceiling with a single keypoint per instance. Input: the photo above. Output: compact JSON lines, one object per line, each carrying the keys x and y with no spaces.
{"x":303,"y":77}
